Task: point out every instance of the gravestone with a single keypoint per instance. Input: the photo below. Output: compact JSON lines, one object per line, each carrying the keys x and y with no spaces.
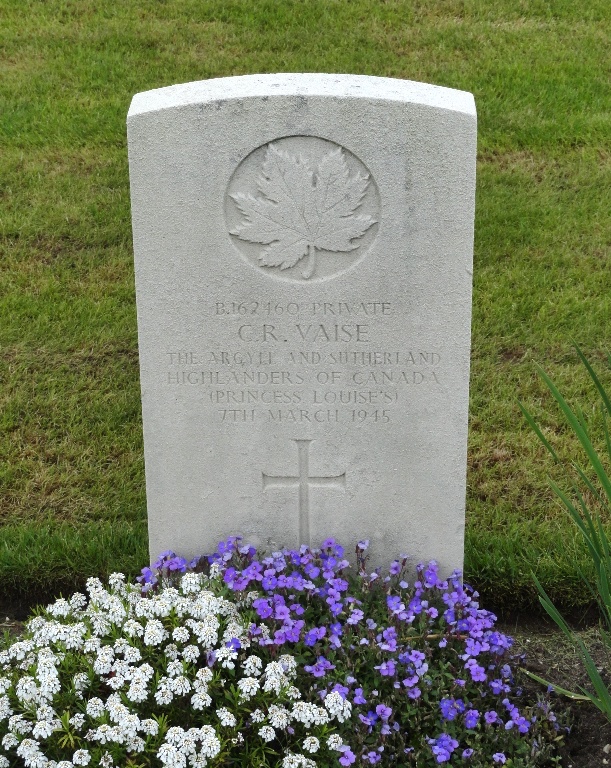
{"x":303,"y":253}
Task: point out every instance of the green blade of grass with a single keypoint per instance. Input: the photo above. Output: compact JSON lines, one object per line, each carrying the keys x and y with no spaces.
{"x":537,"y":430}
{"x":604,"y":503}
{"x":603,"y":698}
{"x":557,"y":688}
{"x":586,"y":528}
{"x":592,"y":373}
{"x":579,"y":431}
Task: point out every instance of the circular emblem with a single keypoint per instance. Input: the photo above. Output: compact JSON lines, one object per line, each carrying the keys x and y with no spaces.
{"x":302,"y":208}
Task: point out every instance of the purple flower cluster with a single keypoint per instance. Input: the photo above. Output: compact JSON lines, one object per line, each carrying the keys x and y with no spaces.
{"x":167,"y":562}
{"x":425,"y":672}
{"x":442,"y":747}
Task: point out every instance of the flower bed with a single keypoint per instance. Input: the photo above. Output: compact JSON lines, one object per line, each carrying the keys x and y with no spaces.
{"x":285,"y":660}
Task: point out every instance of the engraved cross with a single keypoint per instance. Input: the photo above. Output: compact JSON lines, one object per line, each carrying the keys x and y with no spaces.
{"x":303,"y":481}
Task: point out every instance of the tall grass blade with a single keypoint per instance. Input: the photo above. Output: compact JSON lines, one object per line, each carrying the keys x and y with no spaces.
{"x":603,"y":699}
{"x":557,"y":688}
{"x":586,"y":528}
{"x":536,"y":429}
{"x":592,"y":373}
{"x":579,"y":431}
{"x":606,"y":432}
{"x":589,"y":524}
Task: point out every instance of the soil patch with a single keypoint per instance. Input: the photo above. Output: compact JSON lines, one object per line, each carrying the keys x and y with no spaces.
{"x":550,"y":655}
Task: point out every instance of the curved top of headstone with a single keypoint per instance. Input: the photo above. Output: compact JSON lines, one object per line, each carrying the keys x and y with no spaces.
{"x":305,"y":84}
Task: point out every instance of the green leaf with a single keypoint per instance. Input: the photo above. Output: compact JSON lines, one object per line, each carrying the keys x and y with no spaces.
{"x":536,"y":429}
{"x":589,"y":524}
{"x":601,"y":390}
{"x":579,"y":432}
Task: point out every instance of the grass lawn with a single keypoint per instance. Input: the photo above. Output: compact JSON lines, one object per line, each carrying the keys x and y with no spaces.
{"x":72,"y":498}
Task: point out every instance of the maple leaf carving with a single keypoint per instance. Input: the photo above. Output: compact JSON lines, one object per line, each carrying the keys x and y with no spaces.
{"x":301,"y":211}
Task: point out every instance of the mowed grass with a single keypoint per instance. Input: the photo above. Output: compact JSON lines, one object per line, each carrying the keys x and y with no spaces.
{"x":71,"y":464}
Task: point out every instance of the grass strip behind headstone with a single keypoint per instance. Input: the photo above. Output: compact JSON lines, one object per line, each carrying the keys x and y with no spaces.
{"x":71,"y":466}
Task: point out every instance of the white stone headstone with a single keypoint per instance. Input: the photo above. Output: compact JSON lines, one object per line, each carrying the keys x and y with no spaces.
{"x":303,"y":250}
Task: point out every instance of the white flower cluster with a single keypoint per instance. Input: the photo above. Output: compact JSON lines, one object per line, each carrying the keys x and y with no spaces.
{"x":297,"y":761}
{"x":180,"y":745}
{"x":337,"y":706}
{"x":309,"y":714}
{"x":278,"y":674}
{"x":75,"y":685}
